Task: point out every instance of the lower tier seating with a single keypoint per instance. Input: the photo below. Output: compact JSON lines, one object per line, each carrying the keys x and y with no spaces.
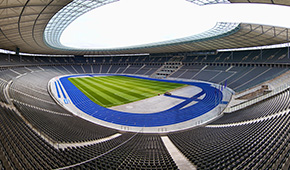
{"x":261,"y":145}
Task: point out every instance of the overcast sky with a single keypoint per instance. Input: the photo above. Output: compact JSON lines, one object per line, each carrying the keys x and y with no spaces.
{"x":135,"y":22}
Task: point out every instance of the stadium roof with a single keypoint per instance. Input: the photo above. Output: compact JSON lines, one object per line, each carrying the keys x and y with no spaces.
{"x":23,"y":24}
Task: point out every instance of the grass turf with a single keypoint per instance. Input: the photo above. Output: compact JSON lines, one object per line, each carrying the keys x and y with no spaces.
{"x":109,"y":91}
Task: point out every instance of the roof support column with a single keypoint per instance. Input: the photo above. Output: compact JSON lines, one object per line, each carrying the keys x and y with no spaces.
{"x":288,"y":50}
{"x":17,"y":51}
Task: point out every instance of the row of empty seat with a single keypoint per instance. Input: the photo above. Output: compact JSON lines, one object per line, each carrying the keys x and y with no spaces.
{"x":260,"y":145}
{"x":21,"y":148}
{"x":270,"y":106}
{"x":279,"y":55}
{"x":42,"y":112}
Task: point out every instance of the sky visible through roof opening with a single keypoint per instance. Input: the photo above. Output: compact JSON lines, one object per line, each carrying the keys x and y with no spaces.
{"x":136,"y":22}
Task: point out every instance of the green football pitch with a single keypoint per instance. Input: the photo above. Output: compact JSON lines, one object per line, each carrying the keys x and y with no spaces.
{"x":109,"y":91}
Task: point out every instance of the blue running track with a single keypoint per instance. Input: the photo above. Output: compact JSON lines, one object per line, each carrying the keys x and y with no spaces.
{"x":171,"y":116}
